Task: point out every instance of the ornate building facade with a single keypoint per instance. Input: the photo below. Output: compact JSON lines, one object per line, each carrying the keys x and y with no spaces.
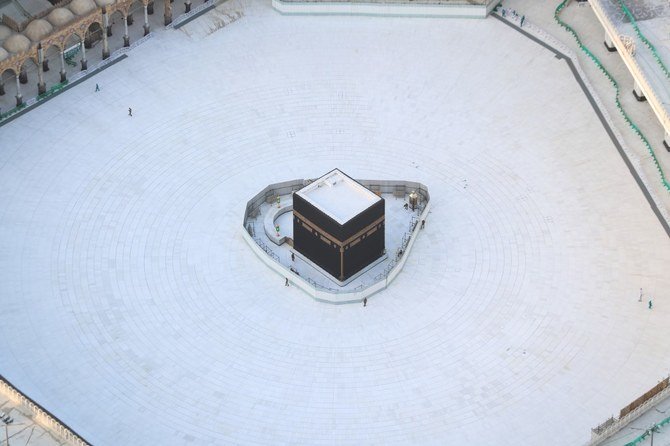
{"x":67,"y":27}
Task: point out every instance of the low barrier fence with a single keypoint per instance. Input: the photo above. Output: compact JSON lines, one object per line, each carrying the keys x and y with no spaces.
{"x":646,"y":397}
{"x":319,"y":291}
{"x":13,"y":111}
{"x":53,"y":90}
{"x":630,"y":413}
{"x":41,"y":415}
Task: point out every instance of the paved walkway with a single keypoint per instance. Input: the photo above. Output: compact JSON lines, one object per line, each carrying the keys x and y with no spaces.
{"x":93,"y":55}
{"x":134,"y":310}
{"x":586,"y":24}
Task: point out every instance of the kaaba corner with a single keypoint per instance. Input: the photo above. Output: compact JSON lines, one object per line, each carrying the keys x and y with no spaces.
{"x":338,"y":225}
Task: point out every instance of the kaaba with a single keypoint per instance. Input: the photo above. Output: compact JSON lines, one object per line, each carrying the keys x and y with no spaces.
{"x":338,"y":224}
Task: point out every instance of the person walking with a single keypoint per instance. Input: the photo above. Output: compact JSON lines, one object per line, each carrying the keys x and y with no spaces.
{"x":97,"y":87}
{"x":523,"y":18}
{"x":640,"y":299}
{"x":423,"y":224}
{"x":292,"y":257}
{"x":286,"y":283}
{"x":365,"y":301}
{"x":130,"y":111}
{"x":650,"y":304}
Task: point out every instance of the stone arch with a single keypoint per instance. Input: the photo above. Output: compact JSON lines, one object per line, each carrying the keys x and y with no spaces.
{"x":8,"y":74}
{"x":8,"y":88}
{"x":93,"y":34}
{"x":167,"y":12}
{"x":73,"y":53}
{"x":136,"y":9}
{"x":115,"y":22}
{"x":135,"y":12}
{"x":143,"y":13}
{"x":28,"y":68}
{"x":51,"y":62}
{"x":31,"y":77}
{"x":158,"y":7}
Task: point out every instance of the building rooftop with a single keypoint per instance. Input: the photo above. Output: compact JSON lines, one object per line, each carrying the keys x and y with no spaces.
{"x":339,"y":196}
{"x":22,"y":10}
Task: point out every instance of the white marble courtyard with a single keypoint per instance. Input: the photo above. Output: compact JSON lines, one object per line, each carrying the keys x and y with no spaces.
{"x":132,"y":308}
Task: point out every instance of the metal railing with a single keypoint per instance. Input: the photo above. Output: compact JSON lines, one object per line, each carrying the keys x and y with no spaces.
{"x":266,"y":248}
{"x":611,"y":427}
{"x":269,"y":193}
{"x":41,"y":415}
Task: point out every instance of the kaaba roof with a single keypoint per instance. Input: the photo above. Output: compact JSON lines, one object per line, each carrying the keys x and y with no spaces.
{"x":338,"y":196}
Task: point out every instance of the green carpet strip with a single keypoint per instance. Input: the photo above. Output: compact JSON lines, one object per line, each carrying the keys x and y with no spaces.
{"x":646,"y":41}
{"x":614,"y":83}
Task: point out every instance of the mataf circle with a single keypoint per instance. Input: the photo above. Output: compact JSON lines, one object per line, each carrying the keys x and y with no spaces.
{"x":134,"y":310}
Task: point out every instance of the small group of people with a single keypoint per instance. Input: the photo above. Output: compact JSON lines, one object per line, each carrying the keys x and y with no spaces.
{"x":514,"y":14}
{"x":650,"y":303}
{"x":293,"y":270}
{"x":130,"y":110}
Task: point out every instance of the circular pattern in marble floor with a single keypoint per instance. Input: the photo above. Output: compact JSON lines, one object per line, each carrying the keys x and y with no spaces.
{"x":137,"y":313}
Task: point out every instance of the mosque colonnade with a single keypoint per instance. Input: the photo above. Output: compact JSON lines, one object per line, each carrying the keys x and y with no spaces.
{"x":60,"y":37}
